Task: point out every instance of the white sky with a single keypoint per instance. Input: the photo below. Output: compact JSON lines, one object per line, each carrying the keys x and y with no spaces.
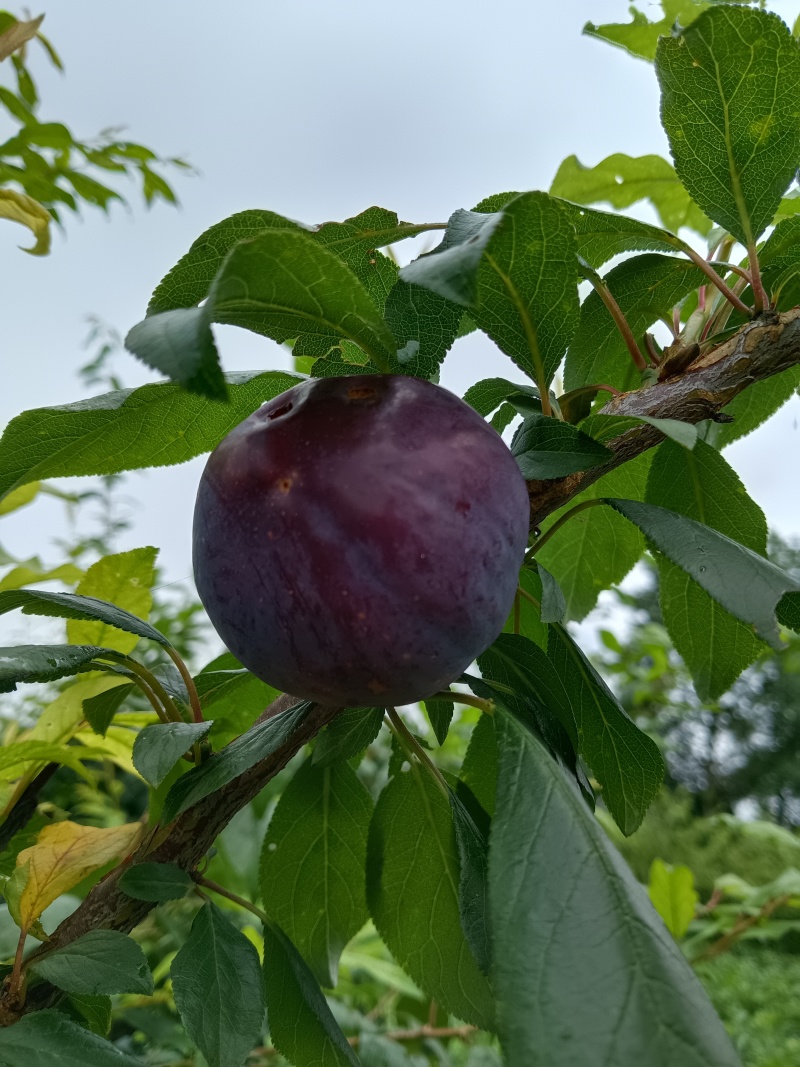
{"x":315,"y":110}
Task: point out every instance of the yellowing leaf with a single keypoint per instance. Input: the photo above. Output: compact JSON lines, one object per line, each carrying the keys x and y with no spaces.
{"x":117,"y":745}
{"x":17,"y":207}
{"x":18,"y":498}
{"x":63,"y":855}
{"x":25,"y":575}
{"x":123,"y":579}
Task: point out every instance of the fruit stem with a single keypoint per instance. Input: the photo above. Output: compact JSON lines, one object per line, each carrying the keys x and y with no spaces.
{"x":414,"y":748}
{"x":191,"y":688}
{"x":559,"y":523}
{"x":223,"y":892}
{"x":464,"y":698}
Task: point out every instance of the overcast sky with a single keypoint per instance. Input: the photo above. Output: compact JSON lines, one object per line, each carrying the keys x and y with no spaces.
{"x":315,"y":110}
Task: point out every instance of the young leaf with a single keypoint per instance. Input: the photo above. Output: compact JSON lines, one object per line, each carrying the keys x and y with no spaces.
{"x":621,"y":180}
{"x":473,"y":904}
{"x":300,"y":1022}
{"x":547,"y":448}
{"x":672,"y":894}
{"x":295,"y":286}
{"x":158,"y":748}
{"x":153,"y":426}
{"x":729,"y":89}
{"x":349,"y":733}
{"x":43,"y":663}
{"x":191,"y":278}
{"x":218,"y":989}
{"x":155,"y":881}
{"x":180,"y":345}
{"x":99,"y":710}
{"x":744,"y":583}
{"x":45,"y":1038}
{"x":715,"y":646}
{"x":63,"y":855}
{"x":221,"y":768}
{"x":440,"y":715}
{"x":99,"y":961}
{"x":595,"y":550}
{"x":646,"y":288}
{"x":582,"y":966}
{"x":413,"y":892}
{"x":626,"y":762}
{"x":312,"y":863}
{"x":72,"y":606}
{"x":123,"y":579}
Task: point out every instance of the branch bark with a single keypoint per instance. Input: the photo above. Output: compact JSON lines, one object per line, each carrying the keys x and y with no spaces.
{"x":760,"y":350}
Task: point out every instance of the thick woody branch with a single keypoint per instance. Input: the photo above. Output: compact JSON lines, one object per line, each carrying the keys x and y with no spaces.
{"x":760,"y":350}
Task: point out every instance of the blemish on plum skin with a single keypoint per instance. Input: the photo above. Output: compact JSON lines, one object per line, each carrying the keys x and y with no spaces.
{"x":376,"y":687}
{"x":463,"y":507}
{"x":284,"y":409}
{"x":284,"y":484}
{"x":361,"y":392}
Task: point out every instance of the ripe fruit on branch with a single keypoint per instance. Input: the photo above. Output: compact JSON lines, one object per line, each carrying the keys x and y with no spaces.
{"x":357,"y":540}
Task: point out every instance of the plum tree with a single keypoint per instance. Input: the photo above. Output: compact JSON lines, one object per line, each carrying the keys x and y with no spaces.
{"x":358,"y":540}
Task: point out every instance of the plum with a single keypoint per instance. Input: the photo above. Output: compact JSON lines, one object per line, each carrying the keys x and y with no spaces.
{"x":357,"y":540}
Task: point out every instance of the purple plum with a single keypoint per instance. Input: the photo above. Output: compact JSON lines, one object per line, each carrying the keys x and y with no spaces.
{"x":357,"y":540}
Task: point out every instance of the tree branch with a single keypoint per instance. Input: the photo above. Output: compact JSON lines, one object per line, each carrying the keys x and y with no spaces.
{"x":761,"y":349}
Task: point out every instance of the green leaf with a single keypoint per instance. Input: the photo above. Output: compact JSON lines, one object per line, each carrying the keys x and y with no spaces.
{"x":218,"y":989}
{"x":516,"y":270}
{"x":621,"y":180}
{"x":94,"y":1011}
{"x":745,"y":583}
{"x":72,"y":606}
{"x":190,"y":279}
{"x":473,"y":903}
{"x":639,"y":37}
{"x":424,"y":324}
{"x":21,"y":752}
{"x":547,"y":448}
{"x":100,"y":961}
{"x":626,"y":762}
{"x":241,"y":754}
{"x":301,"y":1025}
{"x":349,"y":733}
{"x":554,"y":603}
{"x":788,"y":611}
{"x":715,"y":646}
{"x":683,"y":433}
{"x":181,"y":345}
{"x":45,"y":1038}
{"x":123,"y":579}
{"x":282,"y":283}
{"x":584,"y":971}
{"x":730,"y":86}
{"x":595,"y":550}
{"x":672,"y":894}
{"x":313,"y":861}
{"x":155,"y":881}
{"x":527,"y":285}
{"x":479,"y":769}
{"x":153,"y":426}
{"x":602,"y":235}
{"x":413,"y":892}
{"x":158,"y":748}
{"x":645,"y":288}
{"x":488,"y":394}
{"x":99,"y":710}
{"x":43,"y":663}
{"x":440,"y":715}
